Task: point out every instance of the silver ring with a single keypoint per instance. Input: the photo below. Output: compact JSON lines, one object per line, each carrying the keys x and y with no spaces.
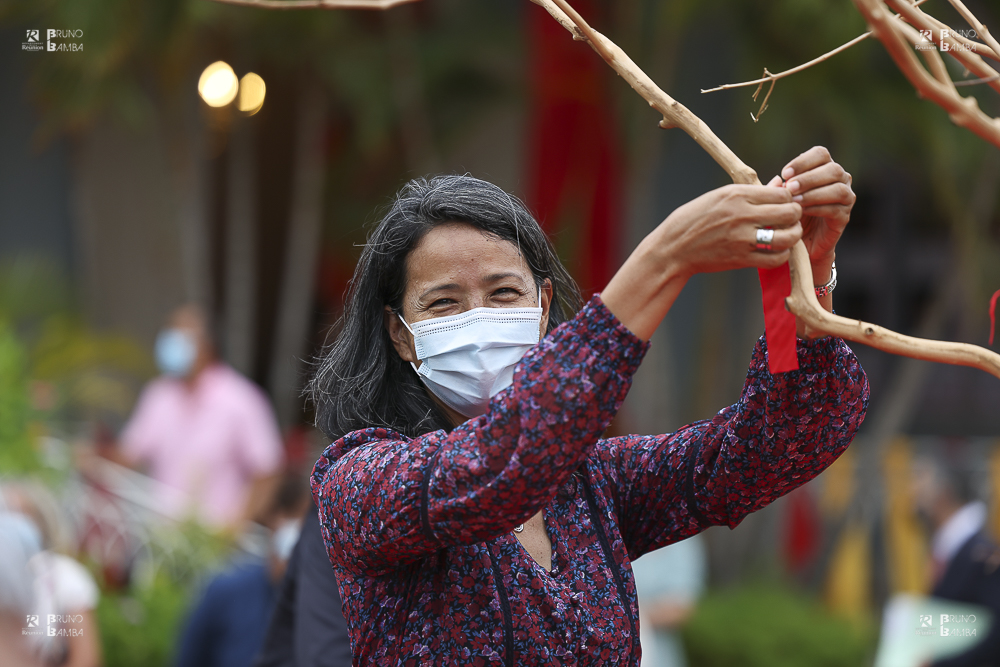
{"x":764,"y":239}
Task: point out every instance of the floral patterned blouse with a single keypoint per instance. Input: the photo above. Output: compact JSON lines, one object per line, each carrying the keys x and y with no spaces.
{"x":419,"y":530}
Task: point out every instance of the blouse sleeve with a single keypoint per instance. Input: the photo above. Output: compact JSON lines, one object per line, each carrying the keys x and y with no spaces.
{"x":385,"y":501}
{"x":784,"y":430}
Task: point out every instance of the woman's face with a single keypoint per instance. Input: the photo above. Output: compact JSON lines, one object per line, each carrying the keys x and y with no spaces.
{"x":456,"y":267}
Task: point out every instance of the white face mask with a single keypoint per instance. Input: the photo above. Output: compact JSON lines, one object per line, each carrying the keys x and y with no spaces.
{"x":467,"y":359}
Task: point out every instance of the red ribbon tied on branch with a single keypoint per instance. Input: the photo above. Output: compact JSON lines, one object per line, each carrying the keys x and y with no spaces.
{"x":993,"y":315}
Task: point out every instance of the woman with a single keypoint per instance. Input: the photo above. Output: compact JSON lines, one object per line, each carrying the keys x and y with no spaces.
{"x":470,"y":508}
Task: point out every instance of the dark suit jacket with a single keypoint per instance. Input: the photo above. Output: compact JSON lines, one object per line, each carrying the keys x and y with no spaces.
{"x":308,"y":627}
{"x":973,"y":576}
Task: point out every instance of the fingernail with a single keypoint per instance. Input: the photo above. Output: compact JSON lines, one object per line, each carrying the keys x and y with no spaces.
{"x":797,"y":198}
{"x":792,"y":186}
{"x":787,"y":173}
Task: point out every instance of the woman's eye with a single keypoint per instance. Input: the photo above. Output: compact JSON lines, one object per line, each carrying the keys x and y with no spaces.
{"x":441,"y":302}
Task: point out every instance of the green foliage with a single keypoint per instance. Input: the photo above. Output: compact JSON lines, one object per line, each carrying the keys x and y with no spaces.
{"x":766,"y":625}
{"x":142,"y":628}
{"x":17,"y":455}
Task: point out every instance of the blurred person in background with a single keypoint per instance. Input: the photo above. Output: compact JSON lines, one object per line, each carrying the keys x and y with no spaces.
{"x":668,"y":582}
{"x":227,"y":625}
{"x":964,"y":558}
{"x":19,"y":541}
{"x":308,"y":628}
{"x":204,"y":430}
{"x":65,"y":593}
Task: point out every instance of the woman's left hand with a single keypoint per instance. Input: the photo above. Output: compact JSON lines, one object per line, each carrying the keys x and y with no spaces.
{"x":823,"y":189}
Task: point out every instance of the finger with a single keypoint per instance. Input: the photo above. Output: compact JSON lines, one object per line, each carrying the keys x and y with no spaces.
{"x":831,"y":172}
{"x":811,"y":159}
{"x":778,"y":216}
{"x":761,"y":194}
{"x":834,"y":193}
{"x":774,"y":182}
{"x":829,"y":211}
{"x":770,"y":260}
{"x":782,"y":239}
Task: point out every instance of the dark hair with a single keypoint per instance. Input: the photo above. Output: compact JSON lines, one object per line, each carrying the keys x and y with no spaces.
{"x":359,"y":380}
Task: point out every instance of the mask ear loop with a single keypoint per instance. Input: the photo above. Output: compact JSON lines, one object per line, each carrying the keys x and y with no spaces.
{"x":416,"y":369}
{"x":400,"y":316}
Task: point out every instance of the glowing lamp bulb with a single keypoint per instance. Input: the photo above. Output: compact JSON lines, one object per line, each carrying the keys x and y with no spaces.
{"x":252,"y":91}
{"x":218,"y":85}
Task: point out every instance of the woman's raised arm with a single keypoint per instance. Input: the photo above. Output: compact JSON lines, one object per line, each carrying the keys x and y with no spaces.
{"x":784,"y":430}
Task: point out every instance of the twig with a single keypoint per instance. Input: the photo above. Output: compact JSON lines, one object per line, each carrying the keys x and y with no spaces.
{"x":798,"y":68}
{"x":763,"y":105}
{"x":789,"y":72}
{"x":963,"y":111}
{"x":976,"y":47}
{"x":976,"y":82}
{"x":316,"y":4}
{"x":981,"y":30}
{"x":943,"y":34}
{"x":935,"y":63}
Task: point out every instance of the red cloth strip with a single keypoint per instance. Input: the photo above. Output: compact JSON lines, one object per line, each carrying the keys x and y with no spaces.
{"x":993,"y":315}
{"x":779,"y":324}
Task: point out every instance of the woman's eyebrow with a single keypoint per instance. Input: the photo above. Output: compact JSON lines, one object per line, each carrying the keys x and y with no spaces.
{"x":494,"y":277}
{"x":439,"y":288}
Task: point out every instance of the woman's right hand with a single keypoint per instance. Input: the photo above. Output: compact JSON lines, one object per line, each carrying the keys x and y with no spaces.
{"x":718,"y":230}
{"x":715,"y":232}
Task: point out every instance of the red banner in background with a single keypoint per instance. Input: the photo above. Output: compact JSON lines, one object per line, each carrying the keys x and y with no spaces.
{"x":573,"y":162}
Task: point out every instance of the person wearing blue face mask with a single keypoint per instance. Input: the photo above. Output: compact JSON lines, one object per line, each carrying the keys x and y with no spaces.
{"x":471,"y":509}
{"x":204,"y":431}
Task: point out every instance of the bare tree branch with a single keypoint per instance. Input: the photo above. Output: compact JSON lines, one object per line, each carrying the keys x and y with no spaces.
{"x":674,"y":113}
{"x":943,"y":34}
{"x":802,"y":302}
{"x":935,"y":63}
{"x":316,"y":4}
{"x":963,"y":111}
{"x":789,"y":72}
{"x":798,"y":68}
{"x":981,"y":31}
{"x":974,"y":47}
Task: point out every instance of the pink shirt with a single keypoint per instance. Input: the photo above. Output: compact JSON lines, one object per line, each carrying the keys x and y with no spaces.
{"x":208,"y":441}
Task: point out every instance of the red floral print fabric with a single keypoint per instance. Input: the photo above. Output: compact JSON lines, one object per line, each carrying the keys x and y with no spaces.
{"x":419,"y":530}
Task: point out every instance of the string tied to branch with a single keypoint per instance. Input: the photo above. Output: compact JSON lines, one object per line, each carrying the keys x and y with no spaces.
{"x":993,"y":315}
